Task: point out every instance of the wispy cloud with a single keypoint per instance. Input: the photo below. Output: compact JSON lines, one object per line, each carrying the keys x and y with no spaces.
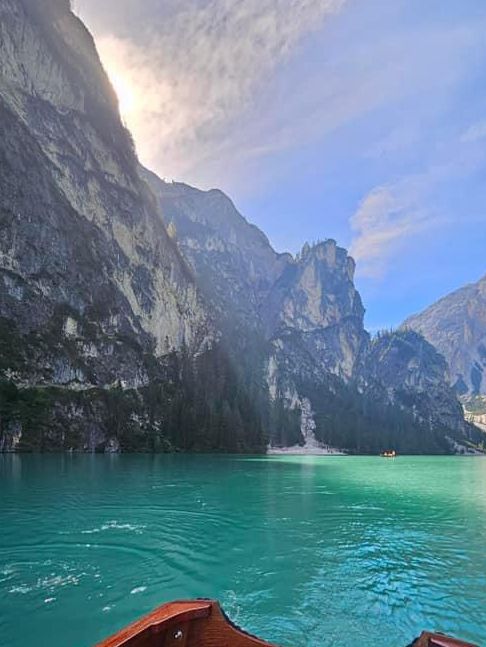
{"x":400,"y":139}
{"x":217,"y":92}
{"x":475,"y":132}
{"x":192,"y":75}
{"x":385,"y":219}
{"x":393,"y":214}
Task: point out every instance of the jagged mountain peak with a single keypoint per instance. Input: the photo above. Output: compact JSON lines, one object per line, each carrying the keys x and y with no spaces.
{"x":456,"y":326}
{"x":189,"y":206}
{"x":317,"y":290}
{"x":330,"y":254}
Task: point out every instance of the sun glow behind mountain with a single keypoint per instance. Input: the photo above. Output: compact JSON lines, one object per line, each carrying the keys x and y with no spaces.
{"x":126,"y":93}
{"x":359,"y":121}
{"x":190,"y":79}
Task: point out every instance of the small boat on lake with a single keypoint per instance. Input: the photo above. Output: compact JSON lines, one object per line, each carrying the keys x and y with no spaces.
{"x":202,"y":623}
{"x":389,"y":453}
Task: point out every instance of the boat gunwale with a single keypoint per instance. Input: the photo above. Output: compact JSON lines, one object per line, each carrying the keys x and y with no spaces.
{"x":179,"y":611}
{"x":218,"y":629}
{"x":179,"y":614}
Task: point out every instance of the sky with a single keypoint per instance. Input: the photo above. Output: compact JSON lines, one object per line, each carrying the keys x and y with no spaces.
{"x":359,"y":120}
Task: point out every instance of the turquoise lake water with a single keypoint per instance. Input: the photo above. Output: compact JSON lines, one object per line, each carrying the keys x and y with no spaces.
{"x":308,"y":551}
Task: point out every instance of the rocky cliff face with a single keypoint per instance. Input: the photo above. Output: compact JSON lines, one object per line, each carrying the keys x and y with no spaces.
{"x":456,"y":326}
{"x":80,"y":230}
{"x":475,"y":410}
{"x":416,"y":378}
{"x":302,"y":318}
{"x":96,"y":303}
{"x":233,"y":260}
{"x":315,"y":305}
{"x":311,"y":296}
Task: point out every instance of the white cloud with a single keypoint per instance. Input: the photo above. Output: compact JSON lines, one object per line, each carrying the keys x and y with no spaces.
{"x":385,"y":219}
{"x":193,"y":74}
{"x":394,"y":214}
{"x":475,"y":132}
{"x":206,"y":94}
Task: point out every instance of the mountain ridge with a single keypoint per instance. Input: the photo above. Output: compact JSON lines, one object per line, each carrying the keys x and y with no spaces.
{"x":456,"y":326}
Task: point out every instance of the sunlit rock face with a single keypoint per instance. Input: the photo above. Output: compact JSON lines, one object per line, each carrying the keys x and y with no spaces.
{"x":84,"y":256}
{"x":475,"y":410}
{"x":315,"y":305}
{"x":93,"y":292}
{"x":456,"y":326}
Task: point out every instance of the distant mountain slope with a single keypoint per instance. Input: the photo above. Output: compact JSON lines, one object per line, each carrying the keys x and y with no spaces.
{"x":456,"y":326}
{"x":417,"y":376}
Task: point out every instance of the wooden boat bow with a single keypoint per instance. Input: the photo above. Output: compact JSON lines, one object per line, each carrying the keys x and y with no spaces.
{"x":428,"y":639}
{"x":191,"y":623}
{"x":202,"y":623}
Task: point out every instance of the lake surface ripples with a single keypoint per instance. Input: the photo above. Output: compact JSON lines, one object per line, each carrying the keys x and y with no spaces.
{"x":303,"y":551}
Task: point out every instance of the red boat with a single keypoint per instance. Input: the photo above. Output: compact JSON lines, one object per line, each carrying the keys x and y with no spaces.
{"x":202,"y":623}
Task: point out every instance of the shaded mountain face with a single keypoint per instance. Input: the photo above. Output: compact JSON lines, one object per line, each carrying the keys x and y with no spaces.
{"x":302,"y":319}
{"x":256,"y":291}
{"x":456,"y":326}
{"x":80,"y":229}
{"x":102,"y":327}
{"x":235,"y":265}
{"x":416,"y":377}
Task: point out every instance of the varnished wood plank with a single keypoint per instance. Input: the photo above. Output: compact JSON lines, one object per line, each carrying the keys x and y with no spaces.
{"x":218,"y":631}
{"x":202,"y":623}
{"x":141,"y":632}
{"x":428,"y":639}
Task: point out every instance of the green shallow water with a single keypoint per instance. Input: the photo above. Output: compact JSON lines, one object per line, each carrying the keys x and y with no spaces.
{"x":300,"y":550}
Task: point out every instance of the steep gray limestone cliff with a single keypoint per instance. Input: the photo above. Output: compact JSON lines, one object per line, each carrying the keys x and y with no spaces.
{"x":80,"y":228}
{"x":94,"y":294}
{"x":235,"y":264}
{"x":302,"y":319}
{"x":315,"y":306}
{"x":456,"y":326}
{"x":416,"y":378}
